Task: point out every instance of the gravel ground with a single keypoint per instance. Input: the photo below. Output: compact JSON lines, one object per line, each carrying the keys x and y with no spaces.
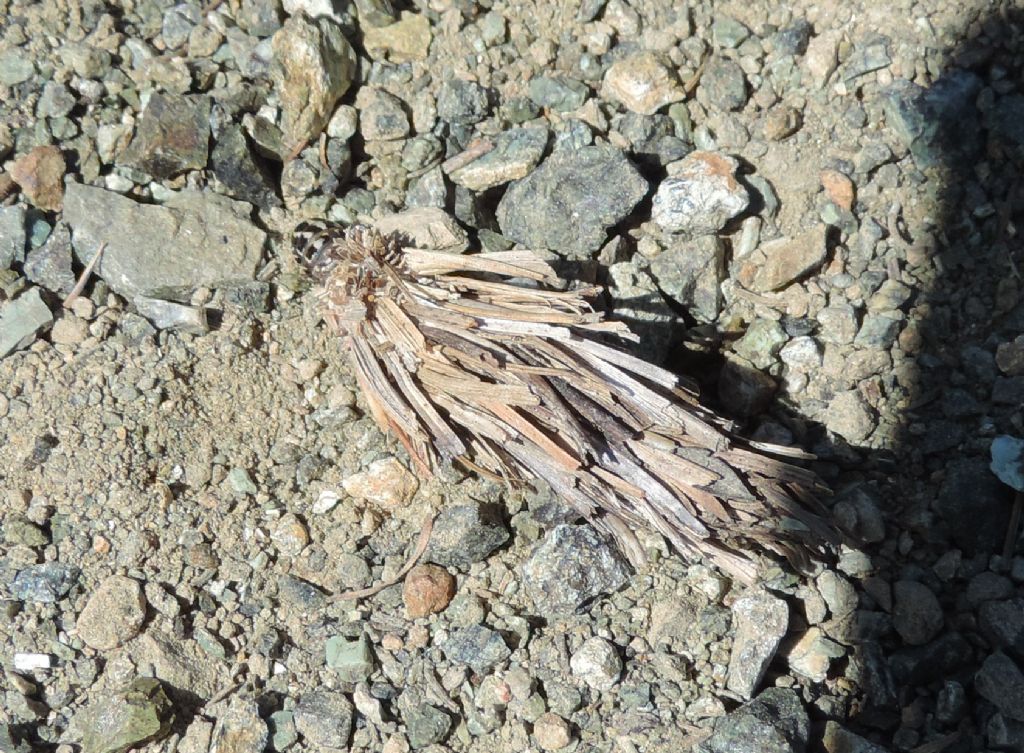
{"x":809,"y":208}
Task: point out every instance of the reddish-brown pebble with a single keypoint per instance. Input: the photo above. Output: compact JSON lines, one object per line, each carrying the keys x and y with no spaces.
{"x":428,"y":589}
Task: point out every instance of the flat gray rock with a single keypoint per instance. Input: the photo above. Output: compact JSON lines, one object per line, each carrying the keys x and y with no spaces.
{"x":21,"y":320}
{"x":193,"y":240}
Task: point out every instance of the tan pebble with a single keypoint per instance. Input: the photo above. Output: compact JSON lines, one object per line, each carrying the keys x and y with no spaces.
{"x":290,"y":535}
{"x":552,"y":732}
{"x":386,"y":482}
{"x":114,"y":613}
{"x":69,"y":330}
{"x":427,"y":589}
{"x":839,"y":188}
{"x":100,"y":544}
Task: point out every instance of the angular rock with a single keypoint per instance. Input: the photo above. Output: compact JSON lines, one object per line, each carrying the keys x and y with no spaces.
{"x":312,"y":67}
{"x":113,"y":614}
{"x":597,"y":663}
{"x":701,"y":195}
{"x":49,"y":266}
{"x":352,"y":660}
{"x":462,"y":102}
{"x":637,"y":301}
{"x":240,"y":729}
{"x":12,"y":235}
{"x":1001,"y":682}
{"x":850,"y":417}
{"x":642,"y":83}
{"x":839,"y":740}
{"x":774,"y":722}
{"x":40,"y":174}
{"x":239,"y":172}
{"x":193,"y":240}
{"x":916,"y":615}
{"x":691,"y":274}
{"x":324,"y":719}
{"x":478,"y":646}
{"x":516,"y":152}
{"x":401,"y":42}
{"x":464,"y":534}
{"x":381,"y":115}
{"x":571,"y":566}
{"x":171,"y":315}
{"x":426,"y":725}
{"x":142,"y":713}
{"x":812,"y":655}
{"x":427,"y":227}
{"x":21,"y":320}
{"x":568,"y":203}
{"x":558,"y":93}
{"x":761,"y":342}
{"x":760,"y":621}
{"x":44,"y":584}
{"x":974,"y":505}
{"x":172,"y":136}
{"x":723,"y":84}
{"x":1002,"y":624}
{"x":857,"y":512}
{"x":787,"y":259}
{"x":386,"y":482}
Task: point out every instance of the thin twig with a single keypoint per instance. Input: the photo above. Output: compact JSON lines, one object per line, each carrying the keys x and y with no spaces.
{"x":476,"y":149}
{"x":1011,"y":530}
{"x":84,"y":277}
{"x":421,"y":546}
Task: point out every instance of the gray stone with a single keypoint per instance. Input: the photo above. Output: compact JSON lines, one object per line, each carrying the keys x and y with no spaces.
{"x":313,"y":66}
{"x":462,"y":102}
{"x":950,"y":702}
{"x":691,"y":274}
{"x":115,"y":724}
{"x":597,"y":663}
{"x":938,"y":124}
{"x":44,"y":584}
{"x":701,"y":196}
{"x":571,"y":566}
{"x":282,"y":730}
{"x":558,"y":93}
{"x":12,"y":235}
{"x":352,"y":660}
{"x":261,"y":18}
{"x":858,"y":513}
{"x":916,"y":615}
{"x":172,"y":136}
{"x":428,"y":227}
{"x":867,"y":59}
{"x":760,"y":621}
{"x":21,"y":320}
{"x":192,"y":240}
{"x":774,"y":722}
{"x":793,"y":39}
{"x":987,"y":586}
{"x":1002,"y":624}
{"x":568,"y":203}
{"x":240,"y":729}
{"x":56,"y":101}
{"x":1004,"y":734}
{"x":728,"y":32}
{"x":178,"y":23}
{"x":838,"y":323}
{"x":516,"y":152}
{"x":744,"y":390}
{"x":16,"y":67}
{"x":426,"y":725}
{"x":324,"y":719}
{"x":723,"y":84}
{"x":850,"y":417}
{"x":239,"y":172}
{"x":381,"y":115}
{"x":49,"y":266}
{"x":879,"y":330}
{"x":1006,"y":118}
{"x":478,"y":646}
{"x":974,"y":505}
{"x":761,"y":342}
{"x":464,"y":534}
{"x":1001,"y":682}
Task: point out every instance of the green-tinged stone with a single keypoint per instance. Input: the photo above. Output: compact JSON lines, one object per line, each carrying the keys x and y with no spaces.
{"x":352,"y":660}
{"x":141,"y":714}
